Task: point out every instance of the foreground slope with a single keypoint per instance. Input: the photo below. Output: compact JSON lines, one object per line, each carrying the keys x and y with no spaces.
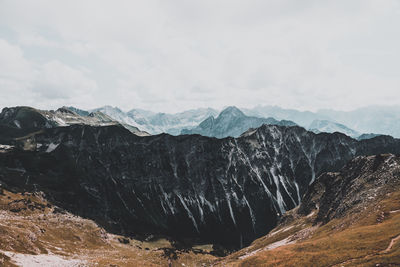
{"x":347,"y":218}
{"x":35,"y":233}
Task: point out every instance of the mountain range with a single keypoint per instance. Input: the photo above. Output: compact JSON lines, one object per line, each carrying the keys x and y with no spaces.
{"x":228,"y":191}
{"x":156,"y":123}
{"x":369,"y":121}
{"x":231,"y":122}
{"x":373,"y":119}
{"x":274,"y":185}
{"x":326,"y":126}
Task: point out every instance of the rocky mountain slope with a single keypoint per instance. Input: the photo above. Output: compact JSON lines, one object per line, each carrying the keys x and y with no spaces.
{"x":231,"y":122}
{"x":347,"y":218}
{"x":31,"y":119}
{"x":228,"y":191}
{"x":326,"y":126}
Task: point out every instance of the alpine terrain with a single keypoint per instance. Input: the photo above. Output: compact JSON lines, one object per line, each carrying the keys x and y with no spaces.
{"x":226,"y":191}
{"x":231,"y":122}
{"x":347,"y":218}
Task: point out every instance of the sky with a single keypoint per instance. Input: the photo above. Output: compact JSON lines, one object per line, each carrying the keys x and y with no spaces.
{"x":173,"y":55}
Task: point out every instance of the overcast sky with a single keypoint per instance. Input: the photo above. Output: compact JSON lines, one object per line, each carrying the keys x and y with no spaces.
{"x":171,"y":55}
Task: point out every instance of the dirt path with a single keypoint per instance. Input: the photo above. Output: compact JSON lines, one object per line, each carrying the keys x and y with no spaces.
{"x":391,"y":244}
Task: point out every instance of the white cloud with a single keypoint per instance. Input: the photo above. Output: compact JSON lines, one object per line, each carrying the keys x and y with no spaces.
{"x":48,"y":85}
{"x":174,"y":55}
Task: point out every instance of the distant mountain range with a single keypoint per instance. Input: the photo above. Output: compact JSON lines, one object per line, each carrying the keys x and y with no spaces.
{"x":383,"y":120}
{"x":232,"y":122}
{"x":156,"y":123}
{"x":326,"y":126}
{"x":360,"y":124}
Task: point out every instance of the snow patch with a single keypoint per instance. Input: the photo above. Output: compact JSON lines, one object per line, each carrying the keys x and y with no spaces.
{"x":17,"y":124}
{"x":51,"y":147}
{"x":43,"y":260}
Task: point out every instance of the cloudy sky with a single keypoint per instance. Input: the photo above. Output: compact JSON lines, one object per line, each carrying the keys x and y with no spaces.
{"x":171,"y":55}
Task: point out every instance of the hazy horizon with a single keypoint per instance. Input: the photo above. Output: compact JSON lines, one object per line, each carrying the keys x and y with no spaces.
{"x":219,"y":109}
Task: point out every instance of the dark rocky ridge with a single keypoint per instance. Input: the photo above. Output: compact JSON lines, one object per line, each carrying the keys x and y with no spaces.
{"x":227,"y":191}
{"x":359,"y":183}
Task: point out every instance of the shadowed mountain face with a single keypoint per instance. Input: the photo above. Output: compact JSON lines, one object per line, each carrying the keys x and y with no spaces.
{"x":232,"y":122}
{"x":227,"y":191}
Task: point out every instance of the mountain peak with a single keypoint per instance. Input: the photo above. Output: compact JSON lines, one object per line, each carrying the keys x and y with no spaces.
{"x":232,"y":111}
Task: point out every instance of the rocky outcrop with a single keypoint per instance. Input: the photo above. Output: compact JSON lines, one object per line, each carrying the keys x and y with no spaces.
{"x":358,"y":184}
{"x":228,"y":191}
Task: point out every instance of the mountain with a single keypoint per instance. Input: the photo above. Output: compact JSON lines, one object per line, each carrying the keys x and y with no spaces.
{"x":346,"y":218}
{"x":367,"y":136}
{"x":231,"y":122}
{"x":28,"y":119}
{"x":302,"y":118}
{"x":78,"y":111}
{"x":225,"y":191}
{"x":156,"y":123}
{"x":326,"y":126}
{"x":372,"y":119}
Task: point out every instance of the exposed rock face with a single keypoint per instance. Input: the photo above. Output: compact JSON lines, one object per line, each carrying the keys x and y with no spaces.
{"x":357,"y":184}
{"x":232,"y":122}
{"x":227,"y":191}
{"x":346,"y":218}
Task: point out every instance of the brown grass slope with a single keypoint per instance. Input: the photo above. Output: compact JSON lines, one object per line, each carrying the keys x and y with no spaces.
{"x":349,"y":218}
{"x":32,"y":231}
